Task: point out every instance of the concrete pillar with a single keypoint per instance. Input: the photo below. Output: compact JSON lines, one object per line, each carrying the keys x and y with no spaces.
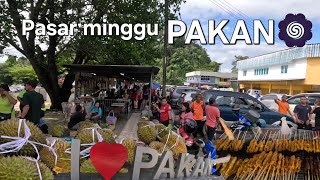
{"x":270,"y":86}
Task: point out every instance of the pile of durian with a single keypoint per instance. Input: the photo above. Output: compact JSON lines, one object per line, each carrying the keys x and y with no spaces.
{"x":17,"y":165}
{"x":158,"y":137}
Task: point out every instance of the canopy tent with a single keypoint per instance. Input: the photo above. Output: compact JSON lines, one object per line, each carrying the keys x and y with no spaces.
{"x":131,"y":73}
{"x":156,"y":85}
{"x":127,"y":72}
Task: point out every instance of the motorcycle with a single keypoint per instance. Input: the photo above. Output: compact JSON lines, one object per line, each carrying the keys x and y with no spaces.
{"x":186,"y":130}
{"x":247,"y":121}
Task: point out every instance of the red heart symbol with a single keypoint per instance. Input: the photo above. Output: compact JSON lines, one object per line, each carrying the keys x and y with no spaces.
{"x":108,"y":159}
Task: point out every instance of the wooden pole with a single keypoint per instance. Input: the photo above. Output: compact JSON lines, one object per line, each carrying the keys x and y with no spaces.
{"x":165,"y":49}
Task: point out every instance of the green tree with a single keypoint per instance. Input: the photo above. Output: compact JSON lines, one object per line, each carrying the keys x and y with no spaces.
{"x":234,"y":62}
{"x":183,"y":59}
{"x":16,"y":70}
{"x":79,"y":49}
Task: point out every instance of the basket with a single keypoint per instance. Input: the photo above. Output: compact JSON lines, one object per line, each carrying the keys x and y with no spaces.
{"x":111,"y":119}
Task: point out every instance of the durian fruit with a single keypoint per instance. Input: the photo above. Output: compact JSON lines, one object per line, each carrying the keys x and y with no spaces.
{"x":162,"y":130}
{"x":175,"y":143}
{"x":144,"y":118}
{"x":87,"y":167}
{"x":58,"y":130}
{"x":123,"y":171}
{"x":143,"y":123}
{"x":85,"y":124}
{"x":18,"y":167}
{"x":147,"y":133}
{"x":63,"y":159}
{"x":130,"y":146}
{"x":85,"y":136}
{"x":159,"y":146}
{"x":10,"y":128}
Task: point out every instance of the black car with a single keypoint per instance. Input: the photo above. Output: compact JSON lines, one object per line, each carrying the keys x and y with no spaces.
{"x":226,"y":100}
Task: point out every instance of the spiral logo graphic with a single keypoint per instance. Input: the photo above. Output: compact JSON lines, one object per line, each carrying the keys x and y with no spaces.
{"x":295,"y":30}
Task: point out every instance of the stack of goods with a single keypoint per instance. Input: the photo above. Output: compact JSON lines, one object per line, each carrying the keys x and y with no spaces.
{"x":281,"y":156}
{"x":58,"y":130}
{"x":271,"y":165}
{"x":89,"y":134}
{"x":160,"y":138}
{"x":312,"y":167}
{"x":22,"y":164}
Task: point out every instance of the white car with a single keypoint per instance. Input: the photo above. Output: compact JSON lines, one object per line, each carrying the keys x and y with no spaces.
{"x":268,"y":100}
{"x":295,"y":100}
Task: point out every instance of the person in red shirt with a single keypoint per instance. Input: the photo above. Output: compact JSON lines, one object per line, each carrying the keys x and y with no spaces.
{"x":212,"y":118}
{"x":165,"y":112}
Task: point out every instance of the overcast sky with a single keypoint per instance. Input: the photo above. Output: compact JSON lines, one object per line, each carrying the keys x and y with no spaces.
{"x":248,"y":10}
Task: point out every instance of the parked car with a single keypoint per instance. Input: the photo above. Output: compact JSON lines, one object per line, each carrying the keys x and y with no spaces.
{"x":268,"y":100}
{"x":186,"y":97}
{"x":295,"y":100}
{"x":176,"y":93}
{"x":226,"y":100}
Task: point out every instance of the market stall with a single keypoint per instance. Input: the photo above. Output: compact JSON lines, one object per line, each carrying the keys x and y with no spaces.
{"x":92,"y":78}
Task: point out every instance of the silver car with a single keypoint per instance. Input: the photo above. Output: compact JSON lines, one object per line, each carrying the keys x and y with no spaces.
{"x":186,"y":97}
{"x":268,"y":100}
{"x":176,"y":93}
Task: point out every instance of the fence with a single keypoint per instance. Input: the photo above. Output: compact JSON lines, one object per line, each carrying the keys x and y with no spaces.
{"x":105,"y":105}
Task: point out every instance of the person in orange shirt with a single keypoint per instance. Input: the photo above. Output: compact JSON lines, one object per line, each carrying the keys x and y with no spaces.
{"x":283,"y":106}
{"x":197,"y":108}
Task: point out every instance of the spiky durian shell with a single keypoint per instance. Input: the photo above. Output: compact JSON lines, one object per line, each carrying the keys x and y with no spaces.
{"x":130,"y":146}
{"x":85,"y":136}
{"x":58,"y":130}
{"x":147,"y":132}
{"x":159,"y":146}
{"x":85,"y":124}
{"x":162,"y":130}
{"x":18,"y":167}
{"x":175,"y":143}
{"x":143,"y":123}
{"x":63,"y":158}
{"x":87,"y":167}
{"x":10,"y":128}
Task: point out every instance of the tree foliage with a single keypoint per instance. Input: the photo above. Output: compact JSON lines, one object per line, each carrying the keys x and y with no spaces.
{"x":186,"y":58}
{"x":47,"y":54}
{"x":234,"y":62}
{"x":16,"y":71}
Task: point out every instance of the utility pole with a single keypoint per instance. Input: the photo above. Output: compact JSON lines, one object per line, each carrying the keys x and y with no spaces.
{"x":165,"y":48}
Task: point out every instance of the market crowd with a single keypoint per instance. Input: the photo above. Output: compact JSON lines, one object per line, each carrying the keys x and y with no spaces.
{"x":205,"y":117}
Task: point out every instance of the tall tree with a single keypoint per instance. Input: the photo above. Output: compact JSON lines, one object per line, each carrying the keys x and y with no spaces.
{"x":234,"y":62}
{"x":46,"y":59}
{"x":186,"y":58}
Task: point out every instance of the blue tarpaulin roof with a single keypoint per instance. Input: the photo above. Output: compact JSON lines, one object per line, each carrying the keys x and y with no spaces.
{"x":156,"y":85}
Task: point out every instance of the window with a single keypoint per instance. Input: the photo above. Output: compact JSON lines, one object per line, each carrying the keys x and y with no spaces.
{"x":261,"y":71}
{"x":269,"y":97}
{"x":205,"y":78}
{"x":224,"y":100}
{"x":245,"y":73}
{"x":312,"y":100}
{"x":295,"y":100}
{"x":284,"y":69}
